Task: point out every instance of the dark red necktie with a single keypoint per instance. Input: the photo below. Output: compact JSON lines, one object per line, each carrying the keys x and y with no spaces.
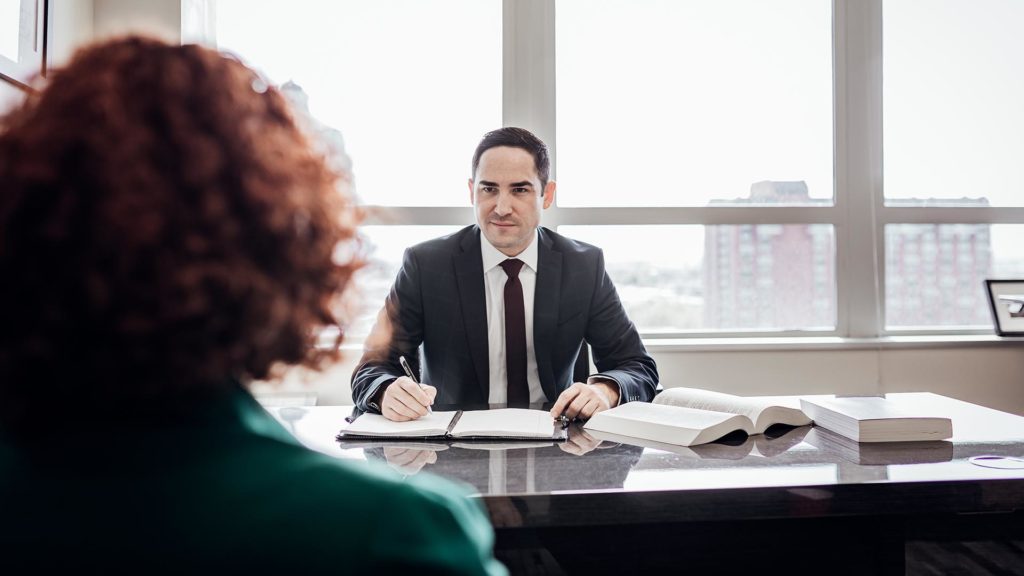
{"x":515,"y":335}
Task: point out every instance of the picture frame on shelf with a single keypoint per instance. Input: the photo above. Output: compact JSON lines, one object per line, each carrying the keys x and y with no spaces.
{"x":1006,"y":302}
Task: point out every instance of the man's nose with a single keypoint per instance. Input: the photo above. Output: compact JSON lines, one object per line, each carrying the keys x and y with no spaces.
{"x":503,"y":206}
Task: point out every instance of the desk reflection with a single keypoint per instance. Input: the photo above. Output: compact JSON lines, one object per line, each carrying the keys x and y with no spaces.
{"x":582,"y":462}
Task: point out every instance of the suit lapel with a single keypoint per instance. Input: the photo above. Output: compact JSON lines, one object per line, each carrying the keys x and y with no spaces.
{"x":545,"y":309}
{"x":469,"y":272}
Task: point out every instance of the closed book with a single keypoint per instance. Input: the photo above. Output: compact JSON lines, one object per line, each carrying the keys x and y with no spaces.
{"x":875,"y":419}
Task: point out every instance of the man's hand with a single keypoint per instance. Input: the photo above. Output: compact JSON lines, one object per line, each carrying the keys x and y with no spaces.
{"x":406,"y":400}
{"x":408,"y":460}
{"x":579,"y":442}
{"x":584,"y":400}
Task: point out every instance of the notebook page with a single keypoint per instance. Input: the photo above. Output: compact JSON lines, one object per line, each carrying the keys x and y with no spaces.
{"x":432,"y":424}
{"x":505,"y":422}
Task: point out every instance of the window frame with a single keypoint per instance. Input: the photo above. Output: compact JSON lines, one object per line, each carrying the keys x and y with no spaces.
{"x":32,"y":43}
{"x":858,"y":214}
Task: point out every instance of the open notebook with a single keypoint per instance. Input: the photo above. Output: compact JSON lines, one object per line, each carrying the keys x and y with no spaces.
{"x":503,"y":423}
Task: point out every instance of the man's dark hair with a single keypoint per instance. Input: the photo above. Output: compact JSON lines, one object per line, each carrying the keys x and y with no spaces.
{"x":516,"y":138}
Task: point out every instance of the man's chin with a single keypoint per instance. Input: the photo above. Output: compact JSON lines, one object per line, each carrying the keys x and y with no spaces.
{"x":503,"y":240}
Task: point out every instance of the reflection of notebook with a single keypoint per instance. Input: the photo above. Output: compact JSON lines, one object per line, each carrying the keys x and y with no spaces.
{"x":444,"y":444}
{"x":880,"y":453}
{"x":503,"y":423}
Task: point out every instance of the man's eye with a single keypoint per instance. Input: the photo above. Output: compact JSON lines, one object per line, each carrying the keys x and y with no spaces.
{"x":488,"y":190}
{"x":520,"y":190}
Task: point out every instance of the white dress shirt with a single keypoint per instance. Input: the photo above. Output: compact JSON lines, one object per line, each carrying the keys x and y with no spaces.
{"x":494,"y":293}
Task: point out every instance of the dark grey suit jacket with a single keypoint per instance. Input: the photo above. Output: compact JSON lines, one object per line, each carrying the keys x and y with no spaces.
{"x":437,"y":300}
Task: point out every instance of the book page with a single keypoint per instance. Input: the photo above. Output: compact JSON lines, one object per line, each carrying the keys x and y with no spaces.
{"x":505,"y":423}
{"x":762,"y":411}
{"x":669,"y":424}
{"x":433,"y":424}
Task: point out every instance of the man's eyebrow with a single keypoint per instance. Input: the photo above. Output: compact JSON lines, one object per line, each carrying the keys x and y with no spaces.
{"x":522,"y":184}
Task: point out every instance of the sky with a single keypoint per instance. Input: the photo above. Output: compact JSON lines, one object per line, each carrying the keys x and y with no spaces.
{"x":659,"y":102}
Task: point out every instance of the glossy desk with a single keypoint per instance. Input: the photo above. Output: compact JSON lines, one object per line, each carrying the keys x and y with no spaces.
{"x":806,"y":501}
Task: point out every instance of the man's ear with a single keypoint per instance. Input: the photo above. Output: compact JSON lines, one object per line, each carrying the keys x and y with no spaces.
{"x":472,"y":195}
{"x":549,"y":193}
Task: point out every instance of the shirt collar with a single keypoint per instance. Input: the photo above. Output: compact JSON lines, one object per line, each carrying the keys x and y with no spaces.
{"x":493,"y":257}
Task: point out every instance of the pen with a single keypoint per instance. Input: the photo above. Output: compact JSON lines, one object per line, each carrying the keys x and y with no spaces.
{"x":408,"y":372}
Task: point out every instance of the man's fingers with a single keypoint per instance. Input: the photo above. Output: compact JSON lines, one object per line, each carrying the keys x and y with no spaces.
{"x":410,"y":405}
{"x":430,"y":391}
{"x":569,"y":447}
{"x":583,"y":437}
{"x":575,"y":408}
{"x":567,"y":396}
{"x":390,"y":413}
{"x":402,"y":404}
{"x":401,"y":456}
{"x":593,"y":406}
{"x":415,"y":391}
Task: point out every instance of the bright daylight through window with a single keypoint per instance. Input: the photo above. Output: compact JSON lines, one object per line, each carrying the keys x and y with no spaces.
{"x":703,"y":145}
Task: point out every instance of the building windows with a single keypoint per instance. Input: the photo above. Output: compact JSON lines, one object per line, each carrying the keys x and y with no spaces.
{"x":727,"y":155}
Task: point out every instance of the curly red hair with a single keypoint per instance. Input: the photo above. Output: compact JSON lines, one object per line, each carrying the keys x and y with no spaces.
{"x":164,"y":227}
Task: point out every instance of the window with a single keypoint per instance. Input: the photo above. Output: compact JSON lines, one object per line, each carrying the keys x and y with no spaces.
{"x":22,"y":25}
{"x":691,"y":103}
{"x":952,"y":126}
{"x":731,"y":157}
{"x":406,"y":84}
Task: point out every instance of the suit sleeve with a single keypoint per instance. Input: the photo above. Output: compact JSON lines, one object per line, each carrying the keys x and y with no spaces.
{"x":397,"y":332}
{"x":618,"y":352}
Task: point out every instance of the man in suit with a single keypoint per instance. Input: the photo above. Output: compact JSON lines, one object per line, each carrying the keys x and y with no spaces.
{"x":502,"y":308}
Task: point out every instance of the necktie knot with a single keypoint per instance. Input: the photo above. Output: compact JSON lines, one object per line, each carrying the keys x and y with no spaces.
{"x":512,"y":267}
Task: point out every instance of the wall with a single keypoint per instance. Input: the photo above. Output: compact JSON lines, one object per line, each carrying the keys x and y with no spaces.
{"x":160,"y":18}
{"x":71,"y":26}
{"x":990,"y":374}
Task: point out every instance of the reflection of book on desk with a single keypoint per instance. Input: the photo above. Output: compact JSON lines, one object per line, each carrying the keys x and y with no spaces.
{"x":504,"y":423}
{"x":688,"y":417}
{"x":437,"y":445}
{"x":759,"y":445}
{"x":880,"y":453}
{"x":874,"y":419}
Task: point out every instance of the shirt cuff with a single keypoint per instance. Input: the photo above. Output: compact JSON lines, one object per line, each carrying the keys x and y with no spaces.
{"x":595,"y":378}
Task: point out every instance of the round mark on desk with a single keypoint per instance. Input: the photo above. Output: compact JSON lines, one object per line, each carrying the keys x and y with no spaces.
{"x":1001,"y":462}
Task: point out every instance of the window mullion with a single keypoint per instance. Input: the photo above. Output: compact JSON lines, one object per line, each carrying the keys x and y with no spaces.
{"x":528,"y":75}
{"x":858,"y":160}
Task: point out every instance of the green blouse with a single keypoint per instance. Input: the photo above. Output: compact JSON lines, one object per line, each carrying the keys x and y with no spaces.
{"x":228,"y":490}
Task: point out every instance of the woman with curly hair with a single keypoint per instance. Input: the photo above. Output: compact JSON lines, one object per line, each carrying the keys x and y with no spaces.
{"x":166,"y":235}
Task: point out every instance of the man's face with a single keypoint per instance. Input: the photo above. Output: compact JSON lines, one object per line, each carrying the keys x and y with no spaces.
{"x":508,"y":198}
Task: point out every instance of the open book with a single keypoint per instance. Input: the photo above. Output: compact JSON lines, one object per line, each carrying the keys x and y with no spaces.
{"x":504,"y":423}
{"x":690,"y":416}
{"x":874,"y":419}
{"x":727,"y":448}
